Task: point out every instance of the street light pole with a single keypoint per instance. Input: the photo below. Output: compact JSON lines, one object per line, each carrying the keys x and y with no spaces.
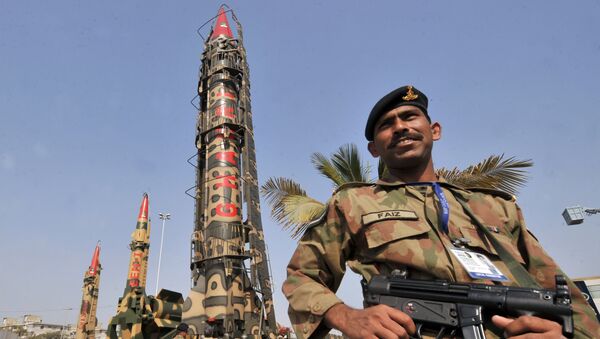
{"x":164,"y":217}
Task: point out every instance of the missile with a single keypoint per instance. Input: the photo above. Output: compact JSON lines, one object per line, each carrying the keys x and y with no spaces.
{"x":87,"y":322}
{"x":140,"y":246}
{"x":231,"y":293}
{"x":139,"y":315}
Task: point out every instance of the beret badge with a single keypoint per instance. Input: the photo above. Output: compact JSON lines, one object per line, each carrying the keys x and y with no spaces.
{"x":410,"y":95}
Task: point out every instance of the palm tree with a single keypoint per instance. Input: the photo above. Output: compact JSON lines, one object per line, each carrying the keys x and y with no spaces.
{"x":295,"y":210}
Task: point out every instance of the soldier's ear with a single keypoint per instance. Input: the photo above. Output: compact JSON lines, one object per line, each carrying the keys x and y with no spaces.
{"x":436,"y":131}
{"x":373,"y":149}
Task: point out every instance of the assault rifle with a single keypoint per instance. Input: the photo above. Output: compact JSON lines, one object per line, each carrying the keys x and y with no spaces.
{"x":448,"y":307}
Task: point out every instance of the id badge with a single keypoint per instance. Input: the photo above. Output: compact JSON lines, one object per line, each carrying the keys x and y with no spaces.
{"x":478,"y":265}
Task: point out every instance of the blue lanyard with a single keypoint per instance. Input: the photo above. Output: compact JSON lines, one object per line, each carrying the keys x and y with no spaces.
{"x":437,"y":189}
{"x":445,"y":208}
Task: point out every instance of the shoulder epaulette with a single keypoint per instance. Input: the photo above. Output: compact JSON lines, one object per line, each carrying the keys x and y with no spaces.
{"x":494,"y":192}
{"x":320,"y":219}
{"x":352,"y":185}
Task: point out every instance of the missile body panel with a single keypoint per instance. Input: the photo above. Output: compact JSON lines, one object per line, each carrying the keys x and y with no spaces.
{"x":231,"y":293}
{"x":87,"y":322}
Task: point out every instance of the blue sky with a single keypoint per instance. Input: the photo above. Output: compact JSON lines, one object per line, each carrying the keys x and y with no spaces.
{"x":95,"y":110}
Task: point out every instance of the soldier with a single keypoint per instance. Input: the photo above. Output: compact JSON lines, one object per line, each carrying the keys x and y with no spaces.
{"x":415,"y":223}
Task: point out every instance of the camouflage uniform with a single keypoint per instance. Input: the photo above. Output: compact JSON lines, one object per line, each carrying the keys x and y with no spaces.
{"x":376,"y":228}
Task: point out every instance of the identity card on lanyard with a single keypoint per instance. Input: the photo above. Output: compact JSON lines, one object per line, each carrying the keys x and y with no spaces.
{"x":478,"y":265}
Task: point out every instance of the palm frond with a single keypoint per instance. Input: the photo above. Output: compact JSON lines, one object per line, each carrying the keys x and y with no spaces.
{"x":348,"y":163}
{"x":494,"y":172}
{"x":326,"y":168}
{"x":274,"y":189}
{"x":299,"y":212}
{"x":344,"y":166}
{"x":290,"y":206}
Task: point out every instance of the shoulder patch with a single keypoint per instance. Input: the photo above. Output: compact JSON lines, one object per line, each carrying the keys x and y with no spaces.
{"x":490,"y":191}
{"x":352,"y":185}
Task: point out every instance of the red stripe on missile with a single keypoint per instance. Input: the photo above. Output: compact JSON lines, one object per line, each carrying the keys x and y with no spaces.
{"x":219,"y":133}
{"x":226,"y":210}
{"x":135,"y":269}
{"x":228,"y":157}
{"x":227,"y":181}
{"x":225,"y":94}
{"x":224,"y":111}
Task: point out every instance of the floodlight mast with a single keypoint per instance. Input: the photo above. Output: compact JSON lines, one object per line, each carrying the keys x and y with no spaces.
{"x":575,"y":215}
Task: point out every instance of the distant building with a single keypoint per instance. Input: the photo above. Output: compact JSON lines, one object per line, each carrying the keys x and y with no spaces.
{"x":9,"y":321}
{"x":590,"y":287}
{"x":32,"y":325}
{"x":32,"y":319}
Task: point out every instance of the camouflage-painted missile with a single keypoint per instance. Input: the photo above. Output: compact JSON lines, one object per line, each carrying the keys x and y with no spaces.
{"x":139,"y":315}
{"x":231,"y":293}
{"x":140,"y":246}
{"x":86,"y":323}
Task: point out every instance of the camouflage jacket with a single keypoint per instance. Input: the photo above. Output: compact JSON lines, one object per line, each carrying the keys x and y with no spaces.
{"x":376,"y":228}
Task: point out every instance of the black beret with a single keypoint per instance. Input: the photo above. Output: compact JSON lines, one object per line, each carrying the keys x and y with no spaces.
{"x":403,"y":96}
{"x":183,"y":327}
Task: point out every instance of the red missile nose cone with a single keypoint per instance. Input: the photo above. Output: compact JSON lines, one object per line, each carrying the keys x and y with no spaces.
{"x":143,"y":217}
{"x":221,"y":26}
{"x":95,"y":260}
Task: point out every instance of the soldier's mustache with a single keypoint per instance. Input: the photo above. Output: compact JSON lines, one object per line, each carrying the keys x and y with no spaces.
{"x":406,"y":135}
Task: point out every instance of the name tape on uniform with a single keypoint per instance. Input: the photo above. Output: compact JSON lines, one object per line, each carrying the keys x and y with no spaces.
{"x":389,"y":215}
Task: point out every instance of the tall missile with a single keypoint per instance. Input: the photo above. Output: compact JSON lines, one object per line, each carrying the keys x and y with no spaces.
{"x":139,"y":315}
{"x":87,"y":322}
{"x":231,"y":294}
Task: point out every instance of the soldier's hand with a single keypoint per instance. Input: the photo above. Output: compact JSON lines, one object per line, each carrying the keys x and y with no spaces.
{"x":379,"y":321}
{"x":528,"y":327}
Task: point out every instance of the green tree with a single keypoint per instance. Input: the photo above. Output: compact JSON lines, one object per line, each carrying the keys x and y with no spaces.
{"x":295,"y":210}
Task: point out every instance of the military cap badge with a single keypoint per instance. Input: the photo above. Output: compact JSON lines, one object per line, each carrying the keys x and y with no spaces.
{"x":410,"y":95}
